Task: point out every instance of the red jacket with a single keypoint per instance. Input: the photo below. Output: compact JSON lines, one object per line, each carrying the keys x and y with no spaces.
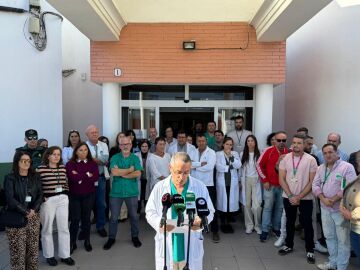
{"x":266,"y":165}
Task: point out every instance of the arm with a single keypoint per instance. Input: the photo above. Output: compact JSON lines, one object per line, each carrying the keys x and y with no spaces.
{"x":283,"y":184}
{"x":103,"y":156}
{"x":12,"y":203}
{"x":316,"y":186}
{"x":39,"y":194}
{"x":261,"y":166}
{"x":220,"y":167}
{"x":133,"y":174}
{"x":153,"y":171}
{"x":307,"y":188}
{"x":72,"y":174}
{"x":210,"y":163}
{"x":122,"y":172}
{"x":237,"y":162}
{"x":153,"y":216}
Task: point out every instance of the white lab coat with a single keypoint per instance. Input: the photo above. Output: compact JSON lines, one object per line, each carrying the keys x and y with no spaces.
{"x":153,"y":217}
{"x":138,"y":154}
{"x":204,"y":173}
{"x":221,"y":168}
{"x":242,"y":175}
{"x":157,"y":167}
{"x":190,"y":150}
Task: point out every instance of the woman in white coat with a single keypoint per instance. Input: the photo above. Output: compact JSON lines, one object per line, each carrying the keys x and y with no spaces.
{"x":250,"y":185}
{"x":179,"y":179}
{"x":227,"y":184}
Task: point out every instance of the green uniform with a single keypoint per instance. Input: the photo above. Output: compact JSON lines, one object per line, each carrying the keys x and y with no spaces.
{"x":125,"y":187}
{"x":210,"y":140}
{"x":36,"y":154}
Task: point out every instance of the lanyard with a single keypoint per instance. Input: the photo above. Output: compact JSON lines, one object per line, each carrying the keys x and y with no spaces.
{"x":237,"y":135}
{"x":326,"y":175}
{"x":295,"y":168}
{"x":57,"y":176}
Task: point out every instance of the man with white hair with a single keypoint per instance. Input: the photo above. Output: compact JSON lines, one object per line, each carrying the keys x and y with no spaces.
{"x":333,"y":138}
{"x":100,"y":153}
{"x":178,"y":182}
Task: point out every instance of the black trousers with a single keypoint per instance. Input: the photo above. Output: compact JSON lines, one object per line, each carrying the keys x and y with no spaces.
{"x":225,"y":217}
{"x":80,"y":210}
{"x":305,"y":218}
{"x":214,"y":225}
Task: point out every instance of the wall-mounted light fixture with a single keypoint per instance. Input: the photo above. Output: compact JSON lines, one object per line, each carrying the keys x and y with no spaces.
{"x":189,"y":45}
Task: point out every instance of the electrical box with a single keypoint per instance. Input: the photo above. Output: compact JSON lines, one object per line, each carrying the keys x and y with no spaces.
{"x":14,"y":5}
{"x":34,"y":25}
{"x":34,"y":3}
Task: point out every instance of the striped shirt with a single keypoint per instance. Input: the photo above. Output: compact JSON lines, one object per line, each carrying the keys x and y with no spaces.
{"x":54,"y":181}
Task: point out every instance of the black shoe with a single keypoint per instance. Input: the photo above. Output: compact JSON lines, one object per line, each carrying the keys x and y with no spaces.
{"x":102,"y":232}
{"x":285,"y":250}
{"x":310,"y":257}
{"x":81,"y":236}
{"x":277,"y":233}
{"x":136,"y":242}
{"x":51,"y":261}
{"x":216,"y":237}
{"x":264,"y":237}
{"x":72,"y":247}
{"x":109,"y":244}
{"x":230,"y":229}
{"x":122,"y":220}
{"x":68,"y":261}
{"x":87,"y":245}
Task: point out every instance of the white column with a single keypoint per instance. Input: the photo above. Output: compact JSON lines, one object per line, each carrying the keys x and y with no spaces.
{"x":111,"y":110}
{"x":263,"y":112}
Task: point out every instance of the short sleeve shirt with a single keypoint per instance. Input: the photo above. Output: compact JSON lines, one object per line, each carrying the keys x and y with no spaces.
{"x":125,"y":187}
{"x":298,"y":179}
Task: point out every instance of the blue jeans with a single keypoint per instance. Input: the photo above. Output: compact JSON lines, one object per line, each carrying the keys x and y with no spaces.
{"x":337,"y":234}
{"x":273,"y":208}
{"x":115,"y":207}
{"x":100,"y":203}
{"x":355,"y":244}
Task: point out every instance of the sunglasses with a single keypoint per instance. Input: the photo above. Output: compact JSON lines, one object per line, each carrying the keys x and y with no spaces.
{"x":279,"y":140}
{"x":73,"y":130}
{"x":25,"y":161}
{"x":32,"y":138}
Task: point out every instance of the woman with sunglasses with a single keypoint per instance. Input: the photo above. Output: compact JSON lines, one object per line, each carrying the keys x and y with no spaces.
{"x":73,"y":140}
{"x":23,"y":193}
{"x":56,"y":205}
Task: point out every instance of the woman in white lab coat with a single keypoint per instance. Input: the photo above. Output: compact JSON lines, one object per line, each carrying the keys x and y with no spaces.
{"x":227,"y":184}
{"x":154,"y":213}
{"x":250,"y":185}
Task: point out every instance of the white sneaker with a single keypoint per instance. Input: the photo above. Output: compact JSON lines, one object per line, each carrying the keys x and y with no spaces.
{"x":280,"y":241}
{"x":249,"y":231}
{"x":258,"y":230}
{"x":325,"y":266}
{"x":320,"y":248}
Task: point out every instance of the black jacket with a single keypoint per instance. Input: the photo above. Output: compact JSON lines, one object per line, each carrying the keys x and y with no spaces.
{"x":16,"y":192}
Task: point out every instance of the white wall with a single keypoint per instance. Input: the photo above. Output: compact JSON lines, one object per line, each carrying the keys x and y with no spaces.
{"x":323,"y":76}
{"x":279,"y":108}
{"x":30,"y":84}
{"x":82,"y":100}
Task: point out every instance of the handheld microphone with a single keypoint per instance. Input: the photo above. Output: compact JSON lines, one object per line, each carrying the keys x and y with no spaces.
{"x":203,"y":212}
{"x":166,"y":201}
{"x":190,"y":207}
{"x":179,"y":205}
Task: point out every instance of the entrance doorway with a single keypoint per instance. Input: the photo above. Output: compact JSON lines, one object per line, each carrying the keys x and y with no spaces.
{"x":185,"y":118}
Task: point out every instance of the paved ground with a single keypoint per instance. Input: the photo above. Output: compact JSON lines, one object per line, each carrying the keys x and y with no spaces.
{"x":235,"y":252}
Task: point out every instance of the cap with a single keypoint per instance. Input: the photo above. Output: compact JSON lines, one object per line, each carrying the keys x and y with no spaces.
{"x":31,"y":134}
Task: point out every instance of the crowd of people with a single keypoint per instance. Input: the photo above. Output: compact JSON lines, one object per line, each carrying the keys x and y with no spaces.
{"x":291,"y":185}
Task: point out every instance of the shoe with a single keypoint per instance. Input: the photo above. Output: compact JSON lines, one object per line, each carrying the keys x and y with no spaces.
{"x":81,"y":236}
{"x":285,"y":250}
{"x":249,"y":231}
{"x":258,"y":230}
{"x":277,"y":233}
{"x":325,"y":266}
{"x":109,"y":244}
{"x":319,"y":248}
{"x":102,"y":232}
{"x":122,"y":220}
{"x":72,"y":247}
{"x":230,"y":228}
{"x":226,"y":228}
{"x":310,"y":257}
{"x":136,"y":242}
{"x":51,"y":261}
{"x":87,"y":246}
{"x":216,"y":237}
{"x":280,"y":241}
{"x":231,"y":219}
{"x":264,"y":237}
{"x":68,"y":261}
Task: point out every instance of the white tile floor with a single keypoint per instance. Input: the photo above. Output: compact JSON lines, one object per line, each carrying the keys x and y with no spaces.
{"x":237,"y":251}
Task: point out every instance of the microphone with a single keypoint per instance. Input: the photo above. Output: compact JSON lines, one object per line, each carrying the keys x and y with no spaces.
{"x":190,"y":207}
{"x":166,"y":201}
{"x":179,"y":205}
{"x":203,"y":212}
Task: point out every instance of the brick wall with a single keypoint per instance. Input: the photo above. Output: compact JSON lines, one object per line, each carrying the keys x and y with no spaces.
{"x":152,"y":53}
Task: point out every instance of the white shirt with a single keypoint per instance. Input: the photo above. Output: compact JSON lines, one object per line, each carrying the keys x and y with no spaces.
{"x":102,"y":153}
{"x":168,"y":145}
{"x":204,"y":173}
{"x":251,"y":166}
{"x":158,"y":166}
{"x":67,"y":153}
{"x":239,"y":138}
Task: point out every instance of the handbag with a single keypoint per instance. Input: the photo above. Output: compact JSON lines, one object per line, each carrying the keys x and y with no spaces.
{"x":12,"y":219}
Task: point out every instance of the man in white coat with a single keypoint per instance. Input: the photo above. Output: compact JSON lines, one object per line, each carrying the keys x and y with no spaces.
{"x":203,"y":169}
{"x":182,"y":146}
{"x":178,"y":182}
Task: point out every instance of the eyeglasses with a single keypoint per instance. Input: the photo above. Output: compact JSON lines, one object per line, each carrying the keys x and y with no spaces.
{"x":125,"y":144}
{"x":32,"y":138}
{"x":279,"y":140}
{"x":25,"y":161}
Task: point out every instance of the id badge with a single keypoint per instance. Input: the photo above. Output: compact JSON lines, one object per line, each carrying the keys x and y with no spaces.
{"x":343,"y":183}
{"x":96,"y":183}
{"x":28,"y":199}
{"x":58,"y":189}
{"x":294,"y":180}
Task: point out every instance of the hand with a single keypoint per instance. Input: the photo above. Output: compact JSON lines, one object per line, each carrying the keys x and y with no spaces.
{"x":203,"y":163}
{"x":197,"y":224}
{"x":132,"y":169}
{"x":345,"y":213}
{"x":267,"y":186}
{"x":74,"y":172}
{"x":169,"y":228}
{"x":30,"y":214}
{"x":327,"y":202}
{"x":295,"y":200}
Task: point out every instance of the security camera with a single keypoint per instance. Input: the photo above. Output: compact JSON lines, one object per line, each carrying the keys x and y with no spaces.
{"x":186,"y":100}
